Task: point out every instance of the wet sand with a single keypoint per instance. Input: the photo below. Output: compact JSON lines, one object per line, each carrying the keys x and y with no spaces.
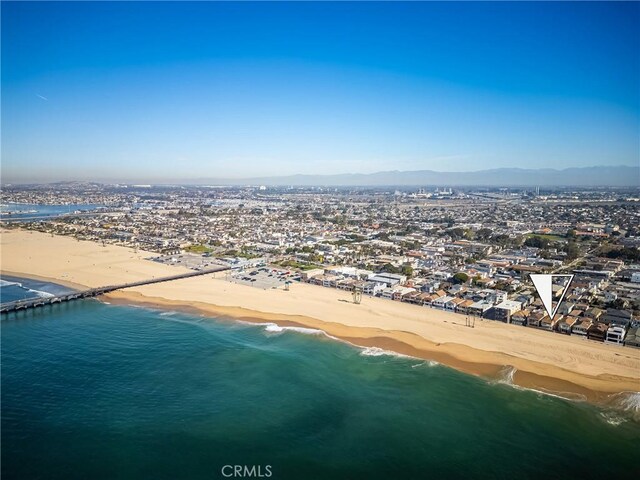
{"x":546,"y":361}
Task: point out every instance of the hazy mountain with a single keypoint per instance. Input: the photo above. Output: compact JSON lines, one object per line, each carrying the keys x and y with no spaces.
{"x":588,"y":176}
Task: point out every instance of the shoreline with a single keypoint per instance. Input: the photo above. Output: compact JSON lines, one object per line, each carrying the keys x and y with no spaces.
{"x":544,"y":361}
{"x":529,"y":375}
{"x":599,"y":391}
{"x":40,"y":278}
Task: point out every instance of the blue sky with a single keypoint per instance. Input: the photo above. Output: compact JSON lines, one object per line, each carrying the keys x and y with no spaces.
{"x":168,"y":91}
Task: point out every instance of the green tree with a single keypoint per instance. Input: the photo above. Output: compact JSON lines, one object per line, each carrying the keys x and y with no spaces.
{"x":407,"y":270}
{"x":537,"y":242}
{"x":572,"y":250}
{"x":460,"y":277}
{"x":484,"y":234}
{"x":389,"y":268}
{"x":456,"y":233}
{"x":625,"y":253}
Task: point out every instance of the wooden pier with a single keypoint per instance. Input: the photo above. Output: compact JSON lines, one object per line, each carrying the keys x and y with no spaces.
{"x":31,"y":303}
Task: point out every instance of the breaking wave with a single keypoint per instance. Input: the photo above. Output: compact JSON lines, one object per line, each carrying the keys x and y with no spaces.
{"x":275,"y":328}
{"x":377,"y":352}
{"x":42,"y":294}
{"x":613,"y":418}
{"x":505,"y":375}
{"x":36,"y":293}
{"x":428,"y":363}
{"x":626,"y":402}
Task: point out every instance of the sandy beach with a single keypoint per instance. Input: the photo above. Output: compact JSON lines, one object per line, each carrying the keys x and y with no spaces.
{"x":566,"y":365}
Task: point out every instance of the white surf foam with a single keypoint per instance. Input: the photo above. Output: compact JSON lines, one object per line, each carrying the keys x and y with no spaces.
{"x":373,"y":352}
{"x":42,"y":294}
{"x":505,"y":376}
{"x":39,"y":293}
{"x":377,"y":352}
{"x":275,"y":328}
{"x":613,"y":418}
{"x":627,"y":403}
{"x":426,"y":363}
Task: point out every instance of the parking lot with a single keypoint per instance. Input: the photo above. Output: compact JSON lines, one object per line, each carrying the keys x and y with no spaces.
{"x":264,"y":277}
{"x":258,"y":277}
{"x":193,"y":261}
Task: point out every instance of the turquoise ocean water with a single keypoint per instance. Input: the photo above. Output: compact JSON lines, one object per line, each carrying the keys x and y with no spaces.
{"x":93,"y":391}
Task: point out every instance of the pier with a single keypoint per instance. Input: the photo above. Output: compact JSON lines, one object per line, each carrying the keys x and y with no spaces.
{"x":31,"y":303}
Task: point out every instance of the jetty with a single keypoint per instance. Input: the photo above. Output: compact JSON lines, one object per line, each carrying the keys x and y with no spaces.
{"x":37,"y":302}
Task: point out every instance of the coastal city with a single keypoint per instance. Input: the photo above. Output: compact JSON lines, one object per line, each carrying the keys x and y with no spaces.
{"x":320,"y":240}
{"x":463,"y":250}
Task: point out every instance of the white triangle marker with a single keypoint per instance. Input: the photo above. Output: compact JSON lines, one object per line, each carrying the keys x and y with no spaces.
{"x":543,"y":284}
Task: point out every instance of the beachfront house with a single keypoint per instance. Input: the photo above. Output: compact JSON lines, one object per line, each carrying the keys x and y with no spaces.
{"x":441,"y":302}
{"x":453,"y":304}
{"x":387,"y":293}
{"x":615,"y":334}
{"x":632,"y":338}
{"x":564,"y":326}
{"x":503,"y":311}
{"x":388,"y":279}
{"x":548,"y":324}
{"x":479,"y":308}
{"x":581,"y":327}
{"x":534,"y":319}
{"x":597,"y":332}
{"x":307,"y":275}
{"x":399,"y":292}
{"x":373,"y":288}
{"x":422,"y":298}
{"x":464,"y":307}
{"x":414,"y":297}
{"x":330,"y":281}
{"x":520,"y":317}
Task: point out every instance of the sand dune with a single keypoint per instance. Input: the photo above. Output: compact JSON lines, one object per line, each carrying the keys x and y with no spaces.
{"x":543,"y":360}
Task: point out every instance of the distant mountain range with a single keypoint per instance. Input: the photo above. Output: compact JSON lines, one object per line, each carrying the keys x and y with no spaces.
{"x":620,"y":176}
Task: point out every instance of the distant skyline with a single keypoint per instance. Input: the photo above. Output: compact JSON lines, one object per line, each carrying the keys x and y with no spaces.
{"x":158,"y":91}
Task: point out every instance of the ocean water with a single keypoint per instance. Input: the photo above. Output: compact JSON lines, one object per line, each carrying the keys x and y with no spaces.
{"x":92,"y":391}
{"x":14,"y":288}
{"x":32,"y":211}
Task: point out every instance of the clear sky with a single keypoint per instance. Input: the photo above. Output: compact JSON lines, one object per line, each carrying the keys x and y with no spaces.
{"x":169,"y":91}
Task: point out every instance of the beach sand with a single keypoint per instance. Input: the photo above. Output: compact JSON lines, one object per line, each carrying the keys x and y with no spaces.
{"x":566,"y":365}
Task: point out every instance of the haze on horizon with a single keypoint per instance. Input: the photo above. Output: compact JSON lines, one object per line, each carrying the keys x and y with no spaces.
{"x":158,"y":91}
